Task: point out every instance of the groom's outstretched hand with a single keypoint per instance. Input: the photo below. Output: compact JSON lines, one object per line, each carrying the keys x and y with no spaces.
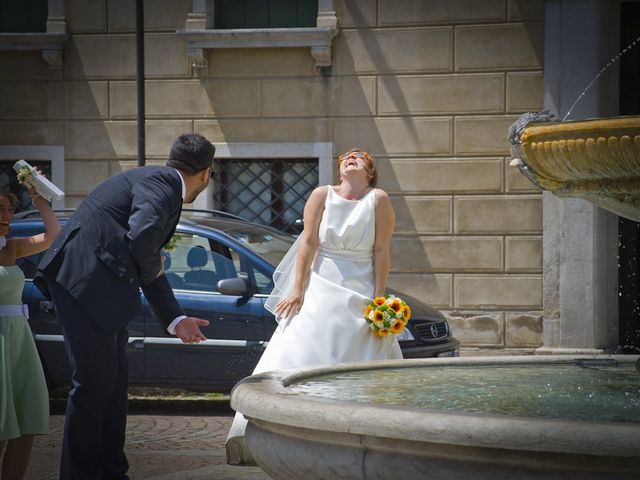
{"x":188,"y":330}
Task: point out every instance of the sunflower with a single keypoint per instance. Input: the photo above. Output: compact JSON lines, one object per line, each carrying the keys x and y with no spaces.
{"x":395,"y":305}
{"x":379,"y":301}
{"x":367,"y":311}
{"x":397,"y":327}
{"x":383,"y":332}
{"x":406,"y":312}
{"x":378,"y":318}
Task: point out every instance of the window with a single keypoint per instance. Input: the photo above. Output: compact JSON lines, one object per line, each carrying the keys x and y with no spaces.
{"x":268,"y":191}
{"x":265,"y":13}
{"x":9,"y":181}
{"x":191,"y":264}
{"x":50,"y":159}
{"x":196,"y":263}
{"x":260,"y":24}
{"x":34,"y":25}
{"x":23,"y":16}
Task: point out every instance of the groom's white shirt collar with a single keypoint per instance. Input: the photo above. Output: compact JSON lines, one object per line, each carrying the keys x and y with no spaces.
{"x":184,"y":186}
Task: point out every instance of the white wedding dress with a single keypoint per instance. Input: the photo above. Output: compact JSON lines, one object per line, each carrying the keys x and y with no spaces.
{"x":330,"y":327}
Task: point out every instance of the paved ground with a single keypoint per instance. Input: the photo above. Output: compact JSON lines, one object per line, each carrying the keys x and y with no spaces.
{"x":165,"y":441}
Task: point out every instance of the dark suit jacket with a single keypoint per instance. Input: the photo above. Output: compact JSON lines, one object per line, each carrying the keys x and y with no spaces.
{"x":110,"y":247}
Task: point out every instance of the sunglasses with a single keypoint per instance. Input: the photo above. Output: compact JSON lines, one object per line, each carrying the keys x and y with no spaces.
{"x":362,"y":155}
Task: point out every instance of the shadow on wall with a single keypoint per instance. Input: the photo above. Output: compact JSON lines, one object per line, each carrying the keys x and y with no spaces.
{"x":276,"y":96}
{"x":533,"y":29}
{"x":411,"y":280}
{"x":94,"y":144}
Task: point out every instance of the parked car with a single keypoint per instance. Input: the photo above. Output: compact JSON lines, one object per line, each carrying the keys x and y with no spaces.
{"x":220,"y":268}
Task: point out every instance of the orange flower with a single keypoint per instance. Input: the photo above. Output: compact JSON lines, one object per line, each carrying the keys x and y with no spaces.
{"x":367,"y":311}
{"x":383,"y":332}
{"x":379,"y":301}
{"x":378,"y":317}
{"x":395,"y":305}
{"x":406,"y":313}
{"x":397,"y":327}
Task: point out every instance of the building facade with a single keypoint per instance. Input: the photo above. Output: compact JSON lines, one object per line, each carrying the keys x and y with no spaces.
{"x":428,"y":87}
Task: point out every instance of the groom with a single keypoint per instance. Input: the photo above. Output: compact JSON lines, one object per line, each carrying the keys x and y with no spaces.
{"x":106,"y":252}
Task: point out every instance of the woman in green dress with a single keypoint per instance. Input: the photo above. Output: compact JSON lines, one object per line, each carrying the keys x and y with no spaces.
{"x":24,"y":401}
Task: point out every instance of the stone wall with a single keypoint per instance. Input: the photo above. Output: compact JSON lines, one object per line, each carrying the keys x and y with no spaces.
{"x":428,"y":87}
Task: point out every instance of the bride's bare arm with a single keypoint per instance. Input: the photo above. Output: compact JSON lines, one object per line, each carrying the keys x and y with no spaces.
{"x":306,"y":252}
{"x":385,"y":222}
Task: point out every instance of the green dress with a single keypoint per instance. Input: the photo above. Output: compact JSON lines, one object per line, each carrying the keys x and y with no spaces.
{"x":24,"y":401}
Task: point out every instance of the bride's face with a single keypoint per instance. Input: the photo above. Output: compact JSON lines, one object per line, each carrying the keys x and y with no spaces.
{"x":6,"y":214}
{"x":355,"y":162}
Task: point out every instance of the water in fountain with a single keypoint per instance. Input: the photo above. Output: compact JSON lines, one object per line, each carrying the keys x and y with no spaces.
{"x":628,"y":288}
{"x":591,"y":390}
{"x":602,"y":70}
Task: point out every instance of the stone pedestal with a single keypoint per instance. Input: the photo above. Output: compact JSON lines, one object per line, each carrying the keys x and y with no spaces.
{"x":579,"y":239}
{"x":579,"y":277}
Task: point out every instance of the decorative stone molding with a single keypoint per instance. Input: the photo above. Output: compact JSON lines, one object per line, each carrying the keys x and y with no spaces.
{"x":598,"y":160}
{"x":53,"y":57}
{"x":201,"y":36}
{"x":50,"y":43}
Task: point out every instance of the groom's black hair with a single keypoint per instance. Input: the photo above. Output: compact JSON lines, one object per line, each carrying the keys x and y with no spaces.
{"x":191,"y":153}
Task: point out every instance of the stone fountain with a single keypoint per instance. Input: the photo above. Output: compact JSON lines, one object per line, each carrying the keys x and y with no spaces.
{"x":598,"y":160}
{"x":550,"y":422}
{"x":305,"y":425}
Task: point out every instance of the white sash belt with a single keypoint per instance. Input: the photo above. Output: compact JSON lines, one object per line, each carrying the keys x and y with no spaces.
{"x":355,"y":255}
{"x":14,"y":310}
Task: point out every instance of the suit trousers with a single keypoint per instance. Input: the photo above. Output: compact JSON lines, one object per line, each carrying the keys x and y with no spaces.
{"x":96,"y":417}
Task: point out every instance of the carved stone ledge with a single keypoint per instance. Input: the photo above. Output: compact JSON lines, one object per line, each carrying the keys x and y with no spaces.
{"x":319,"y":39}
{"x":598,"y":160}
{"x":53,"y":58}
{"x":322,"y":56}
{"x":198,"y":60}
{"x":51,"y":45}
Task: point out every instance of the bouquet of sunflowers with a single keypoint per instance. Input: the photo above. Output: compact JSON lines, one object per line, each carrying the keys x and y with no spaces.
{"x":387,"y":315}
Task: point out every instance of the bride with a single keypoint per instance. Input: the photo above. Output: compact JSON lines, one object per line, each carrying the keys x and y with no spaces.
{"x":322,"y":286}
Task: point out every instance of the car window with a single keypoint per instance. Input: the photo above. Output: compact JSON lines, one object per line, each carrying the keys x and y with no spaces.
{"x":264,"y":283}
{"x":191,"y":263}
{"x":260,"y":279}
{"x":266,"y":244}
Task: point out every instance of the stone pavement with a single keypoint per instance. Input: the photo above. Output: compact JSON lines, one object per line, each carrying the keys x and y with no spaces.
{"x":165,"y":441}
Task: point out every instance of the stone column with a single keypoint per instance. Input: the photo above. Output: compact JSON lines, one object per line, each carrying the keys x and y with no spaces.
{"x":579,"y":239}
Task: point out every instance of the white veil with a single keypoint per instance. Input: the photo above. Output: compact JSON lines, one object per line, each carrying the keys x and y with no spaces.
{"x":284,"y":277}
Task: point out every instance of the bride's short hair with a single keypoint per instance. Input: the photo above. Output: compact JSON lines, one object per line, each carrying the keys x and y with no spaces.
{"x":371,"y":168}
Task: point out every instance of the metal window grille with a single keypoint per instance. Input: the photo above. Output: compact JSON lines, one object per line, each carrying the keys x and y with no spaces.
{"x":268,"y":191}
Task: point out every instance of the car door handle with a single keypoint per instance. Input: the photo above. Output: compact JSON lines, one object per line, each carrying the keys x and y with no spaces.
{"x":46,"y":306}
{"x":137,"y":343}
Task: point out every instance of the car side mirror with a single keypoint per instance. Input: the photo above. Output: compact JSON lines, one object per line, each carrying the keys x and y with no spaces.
{"x":237,"y":286}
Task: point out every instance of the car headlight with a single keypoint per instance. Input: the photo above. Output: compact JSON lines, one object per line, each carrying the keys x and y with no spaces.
{"x":405,"y":336}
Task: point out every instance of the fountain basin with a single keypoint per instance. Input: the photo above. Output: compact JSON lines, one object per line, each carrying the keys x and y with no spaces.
{"x":293,"y":434}
{"x":597,"y":159}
